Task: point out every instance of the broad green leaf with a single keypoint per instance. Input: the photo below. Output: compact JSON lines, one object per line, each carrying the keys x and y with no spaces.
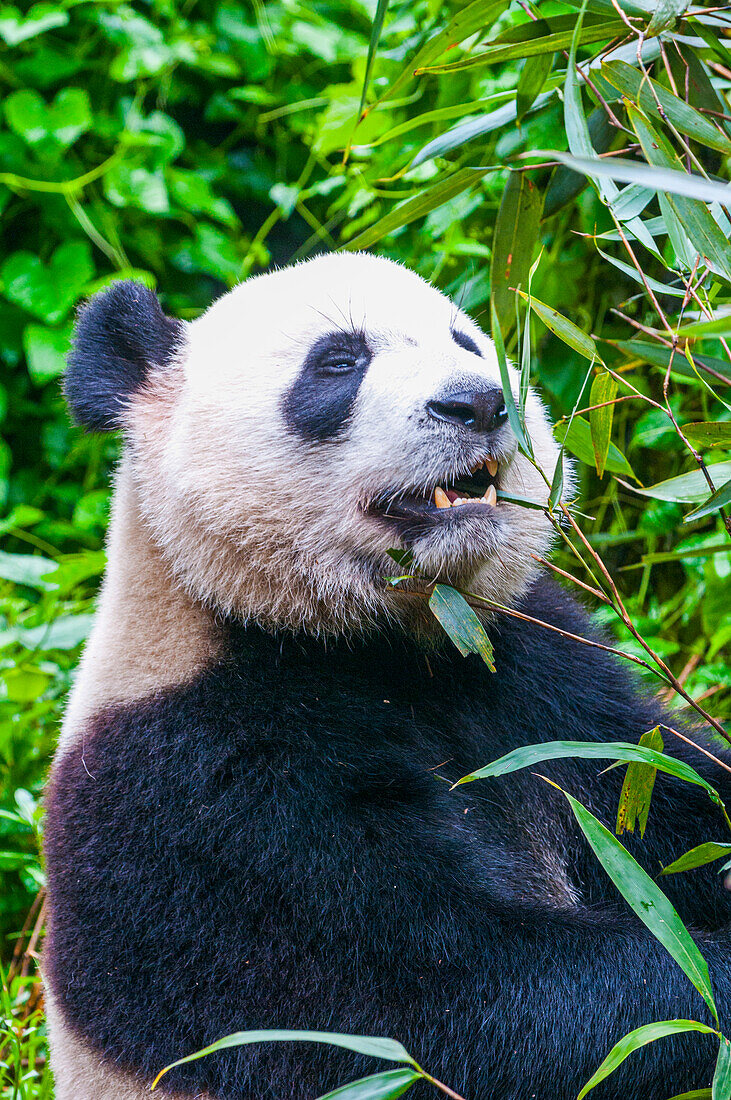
{"x":527,"y":755}
{"x":690,"y":488}
{"x":378,"y":20}
{"x":16,"y":27}
{"x":647,"y":901}
{"x":460,"y":622}
{"x":28,"y":569}
{"x":721,"y":1089}
{"x":716,"y":327}
{"x":636,"y":1039}
{"x":514,"y":417}
{"x":719,"y":499}
{"x":45,"y":351}
{"x":58,"y":124}
{"x":697,"y":857}
{"x":636,"y":794}
{"x":380,"y":1086}
{"x":66,"y":632}
{"x":532,"y":78}
{"x":578,"y":440}
{"x":563,"y":328}
{"x":388,"y":1049}
{"x":48,"y":290}
{"x":418,"y":206}
{"x":513,"y":243}
{"x":647,"y":93}
{"x":603,"y":390}
{"x":714,"y":433}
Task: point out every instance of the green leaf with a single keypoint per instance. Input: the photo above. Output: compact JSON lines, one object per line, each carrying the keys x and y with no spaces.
{"x":388,"y":1049}
{"x":474,"y":128}
{"x":527,"y":755}
{"x":45,"y":350}
{"x":418,"y":206}
{"x":665,"y":15}
{"x":578,"y":440}
{"x":460,"y":622}
{"x":66,"y":632}
{"x":48,"y":290}
{"x":636,"y":1039}
{"x":603,"y":389}
{"x":532,"y":78}
{"x":690,"y":488}
{"x":636,"y":794}
{"x":719,"y":499}
{"x":647,"y":93}
{"x":708,"y":433}
{"x":378,"y":20}
{"x":380,"y":1086}
{"x":563,"y":328}
{"x":697,"y":1094}
{"x":647,"y":901}
{"x":28,"y":569}
{"x":126,"y":184}
{"x":659,"y":356}
{"x":16,"y":27}
{"x":58,"y":125}
{"x":697,"y":857}
{"x":721,"y":1089}
{"x":717,"y":327}
{"x":514,"y":417}
{"x":513,"y":243}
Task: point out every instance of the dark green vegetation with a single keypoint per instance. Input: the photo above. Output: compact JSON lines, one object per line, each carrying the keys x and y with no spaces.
{"x":189,"y":145}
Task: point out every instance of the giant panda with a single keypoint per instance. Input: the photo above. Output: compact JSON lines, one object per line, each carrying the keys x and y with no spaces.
{"x":250,"y":822}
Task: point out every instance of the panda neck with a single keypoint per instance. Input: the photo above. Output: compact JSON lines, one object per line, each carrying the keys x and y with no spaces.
{"x":149,"y":633}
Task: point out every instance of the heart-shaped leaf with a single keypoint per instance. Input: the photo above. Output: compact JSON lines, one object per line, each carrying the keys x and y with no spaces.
{"x":16,"y":27}
{"x":51,"y":127}
{"x":48,"y":290}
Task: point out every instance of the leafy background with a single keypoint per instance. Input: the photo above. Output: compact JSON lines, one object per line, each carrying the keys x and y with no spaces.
{"x":188,"y":144}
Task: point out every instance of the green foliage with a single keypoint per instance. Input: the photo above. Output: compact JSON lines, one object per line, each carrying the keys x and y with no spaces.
{"x":189,"y":146}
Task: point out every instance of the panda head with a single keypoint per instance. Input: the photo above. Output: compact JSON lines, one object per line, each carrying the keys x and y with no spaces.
{"x":312,"y":419}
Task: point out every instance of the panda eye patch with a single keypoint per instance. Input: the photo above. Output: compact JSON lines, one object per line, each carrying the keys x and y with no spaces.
{"x":319,"y":403}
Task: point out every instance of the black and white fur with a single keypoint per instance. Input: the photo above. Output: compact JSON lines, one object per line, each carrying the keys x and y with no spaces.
{"x":248,"y":820}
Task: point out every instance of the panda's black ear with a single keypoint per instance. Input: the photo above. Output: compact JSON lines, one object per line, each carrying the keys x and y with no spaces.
{"x":121,"y":336}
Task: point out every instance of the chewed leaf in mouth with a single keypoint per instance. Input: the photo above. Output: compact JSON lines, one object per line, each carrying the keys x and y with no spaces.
{"x":474,"y":491}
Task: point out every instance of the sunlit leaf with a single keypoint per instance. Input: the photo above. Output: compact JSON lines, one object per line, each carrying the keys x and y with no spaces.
{"x":636,"y":794}
{"x":532,"y":79}
{"x":721,"y":1089}
{"x":636,"y":1039}
{"x":578,"y":440}
{"x":690,"y":488}
{"x":563,"y":328}
{"x":719,"y":499}
{"x":709,"y":434}
{"x":460,"y":622}
{"x":697,"y":857}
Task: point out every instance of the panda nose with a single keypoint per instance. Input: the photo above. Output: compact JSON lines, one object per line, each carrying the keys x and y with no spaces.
{"x":478,"y":410}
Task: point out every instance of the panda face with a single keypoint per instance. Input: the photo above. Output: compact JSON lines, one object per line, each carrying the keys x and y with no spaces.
{"x":315,"y":418}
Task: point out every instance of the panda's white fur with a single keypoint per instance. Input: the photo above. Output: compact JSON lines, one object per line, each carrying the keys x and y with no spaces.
{"x":257,"y":523}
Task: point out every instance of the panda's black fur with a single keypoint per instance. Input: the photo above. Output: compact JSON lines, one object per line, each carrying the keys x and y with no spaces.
{"x":276,"y":845}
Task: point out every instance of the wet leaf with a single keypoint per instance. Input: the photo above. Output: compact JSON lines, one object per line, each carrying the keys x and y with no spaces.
{"x":461,"y":623}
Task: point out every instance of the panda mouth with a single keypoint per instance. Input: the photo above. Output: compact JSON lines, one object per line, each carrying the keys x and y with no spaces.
{"x":469,"y":495}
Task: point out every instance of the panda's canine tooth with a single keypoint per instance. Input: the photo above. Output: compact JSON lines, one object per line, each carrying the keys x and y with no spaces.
{"x":440,"y":498}
{"x":490,"y":496}
{"x":492,"y":466}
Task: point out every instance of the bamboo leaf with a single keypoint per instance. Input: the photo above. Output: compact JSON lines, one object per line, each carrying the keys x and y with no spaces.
{"x":418,"y":206}
{"x":690,"y":488}
{"x":636,"y":794}
{"x":697,"y":1094}
{"x":647,"y":900}
{"x":721,"y":1089}
{"x":532,"y":78}
{"x":697,"y":857}
{"x":514,"y":240}
{"x":514,"y":417}
{"x":577,"y":439}
{"x":460,"y":622}
{"x":659,"y":356}
{"x":563,"y":328}
{"x":647,"y":93}
{"x":528,"y":755}
{"x":380,"y":1086}
{"x":376,"y":30}
{"x":636,"y":1039}
{"x":388,"y":1049}
{"x":709,"y":434}
{"x":716,"y":500}
{"x":603,"y":390}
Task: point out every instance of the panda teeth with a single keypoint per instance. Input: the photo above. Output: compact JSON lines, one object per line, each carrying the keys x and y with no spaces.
{"x":441,"y":499}
{"x":490,"y":496}
{"x":492,"y":466}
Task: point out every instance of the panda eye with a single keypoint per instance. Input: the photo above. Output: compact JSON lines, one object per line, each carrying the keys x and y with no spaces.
{"x":339,"y":366}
